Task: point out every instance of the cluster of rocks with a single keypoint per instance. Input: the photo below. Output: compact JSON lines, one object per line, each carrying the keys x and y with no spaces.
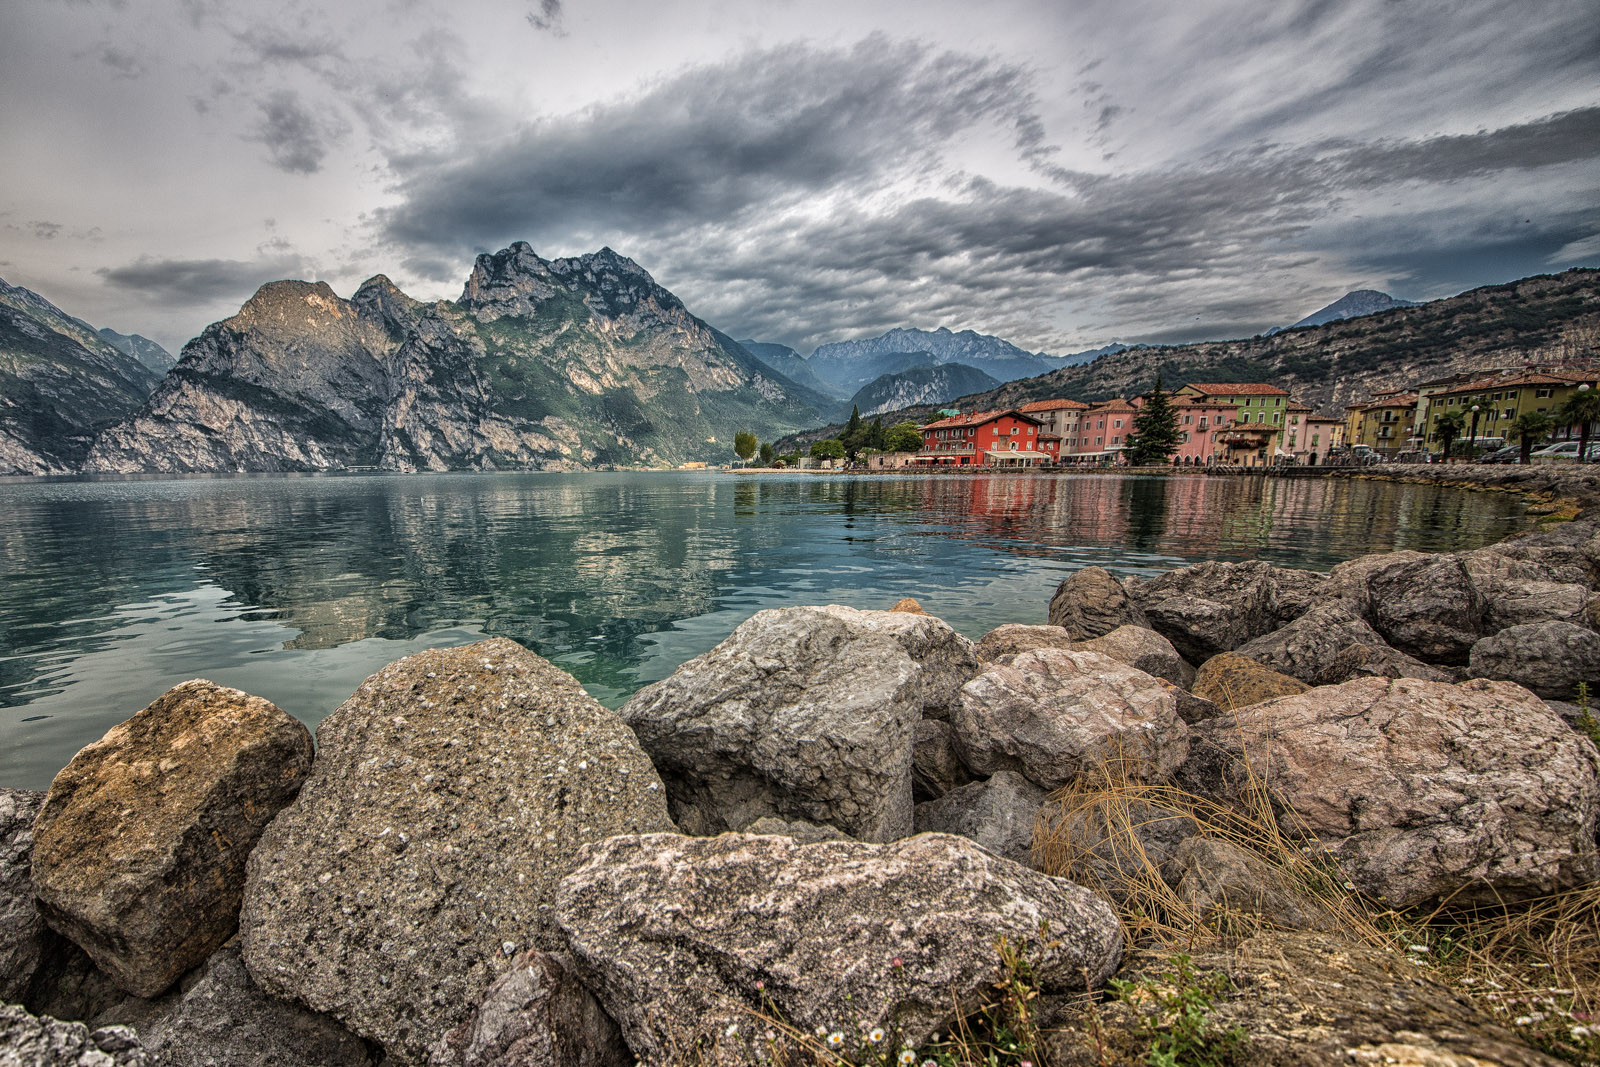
{"x":821,"y":826}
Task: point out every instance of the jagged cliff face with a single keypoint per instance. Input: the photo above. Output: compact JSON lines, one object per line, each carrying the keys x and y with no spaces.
{"x":921,"y":385}
{"x":60,"y":383}
{"x":541,"y":364}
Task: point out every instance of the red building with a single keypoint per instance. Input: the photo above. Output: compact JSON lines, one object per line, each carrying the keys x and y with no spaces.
{"x":988,"y":439}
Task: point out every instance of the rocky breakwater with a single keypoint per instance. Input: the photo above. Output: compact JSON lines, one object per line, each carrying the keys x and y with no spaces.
{"x":827,"y":839}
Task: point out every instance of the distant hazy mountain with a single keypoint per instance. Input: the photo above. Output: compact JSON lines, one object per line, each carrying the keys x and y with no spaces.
{"x":548,"y":364}
{"x":938,"y":384}
{"x":1353,"y":306}
{"x":1092,"y":354}
{"x":146,"y":351}
{"x":792,"y":365}
{"x":59,"y":384}
{"x":852,"y":364}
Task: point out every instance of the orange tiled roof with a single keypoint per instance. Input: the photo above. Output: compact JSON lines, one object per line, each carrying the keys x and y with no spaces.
{"x":1054,"y":405}
{"x":1485,"y":384}
{"x":1237,"y":389}
{"x":1114,"y":404}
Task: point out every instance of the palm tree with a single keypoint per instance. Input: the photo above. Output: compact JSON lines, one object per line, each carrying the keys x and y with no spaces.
{"x":1529,"y":428}
{"x":1583,"y":410}
{"x":1447,"y":427}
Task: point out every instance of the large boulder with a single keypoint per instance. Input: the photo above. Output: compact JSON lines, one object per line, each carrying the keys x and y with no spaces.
{"x":1308,"y":646}
{"x":1550,"y":658}
{"x":1378,"y":661}
{"x":805,"y":713}
{"x":1208,"y":875}
{"x":1348,"y":580}
{"x":1090,"y":602}
{"x":139,"y":851}
{"x":690,"y":941}
{"x":222,"y":1017}
{"x":998,"y":814}
{"x":24,"y":938}
{"x":1419,"y":790}
{"x":451,"y":793}
{"x":31,"y":1041}
{"x":1056,"y":716}
{"x":1145,"y":650}
{"x":1215,"y":607}
{"x":1231,"y":680}
{"x":1430,"y":608}
{"x":537,"y":1014}
{"x":1520,"y":591}
{"x":1012,"y":638}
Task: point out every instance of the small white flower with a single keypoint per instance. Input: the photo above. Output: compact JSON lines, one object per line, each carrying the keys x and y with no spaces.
{"x":835,"y":1039}
{"x":875,"y":1035}
{"x":1522,"y":1020}
{"x":907,"y":1057}
{"x":733,"y":1028}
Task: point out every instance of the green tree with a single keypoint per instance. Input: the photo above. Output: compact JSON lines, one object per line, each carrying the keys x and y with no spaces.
{"x":767,"y":454}
{"x":1582,"y":409}
{"x":903,"y":437}
{"x":744,"y":445}
{"x":1155,"y":430}
{"x":832,"y":448}
{"x":1530,"y":428}
{"x":1447,"y":427}
{"x":856,"y":436}
{"x":877,"y":436}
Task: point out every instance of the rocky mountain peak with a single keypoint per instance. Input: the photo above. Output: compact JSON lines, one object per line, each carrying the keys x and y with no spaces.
{"x":291,"y":305}
{"x":513,"y":281}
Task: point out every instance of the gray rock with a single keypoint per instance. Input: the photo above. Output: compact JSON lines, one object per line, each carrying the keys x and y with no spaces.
{"x":1209,"y":875}
{"x":1429,"y":608}
{"x":538,"y":1014}
{"x":688,"y":940}
{"x":1519,"y":591}
{"x":1143,"y":649}
{"x":1306,"y":647}
{"x":451,"y":793}
{"x":1191,"y":708}
{"x":1116,"y":846}
{"x":1089,"y":603}
{"x":807,"y":833}
{"x":24,"y":938}
{"x":30,"y":1041}
{"x":1348,"y":580}
{"x":1378,"y":661}
{"x":804,"y":713}
{"x":935,"y":766}
{"x":1550,"y":658}
{"x":1011,"y":638}
{"x":1420,"y":790}
{"x":222,"y":1017}
{"x":139,"y":851}
{"x":1056,"y":715}
{"x":998,"y":814}
{"x":1215,"y":607}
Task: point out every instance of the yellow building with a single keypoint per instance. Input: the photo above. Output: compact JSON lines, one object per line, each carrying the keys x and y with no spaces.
{"x":1500,"y":399}
{"x":1386,"y":423}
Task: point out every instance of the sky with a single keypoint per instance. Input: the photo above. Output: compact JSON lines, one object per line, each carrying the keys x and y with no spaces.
{"x":1060,"y":173}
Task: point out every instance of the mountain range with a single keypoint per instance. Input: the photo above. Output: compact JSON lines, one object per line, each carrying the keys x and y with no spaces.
{"x":1546,"y":319}
{"x":554,"y":365}
{"x":61,"y":383}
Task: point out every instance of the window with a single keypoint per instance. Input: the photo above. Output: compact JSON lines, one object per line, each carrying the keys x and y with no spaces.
{"x":1202,"y":422}
{"x":1188,"y":420}
{"x":1540,"y":394}
{"x":1118,"y":424}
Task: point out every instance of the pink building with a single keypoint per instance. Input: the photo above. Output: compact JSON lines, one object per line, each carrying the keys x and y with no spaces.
{"x":1198,"y":423}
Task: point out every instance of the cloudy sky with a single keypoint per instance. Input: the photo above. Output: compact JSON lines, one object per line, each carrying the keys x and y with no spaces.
{"x":1058,"y":172}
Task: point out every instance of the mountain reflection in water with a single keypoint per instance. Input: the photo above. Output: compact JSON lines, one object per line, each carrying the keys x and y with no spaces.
{"x":295,"y":588}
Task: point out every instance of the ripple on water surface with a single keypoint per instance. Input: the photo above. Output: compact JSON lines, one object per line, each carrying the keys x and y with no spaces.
{"x":296,"y":588}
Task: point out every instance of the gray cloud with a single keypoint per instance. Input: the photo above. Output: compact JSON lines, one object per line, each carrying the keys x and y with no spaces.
{"x":296,"y":139}
{"x":716,"y":142}
{"x":547,"y":17}
{"x":200,"y":282}
{"x":269,"y":43}
{"x":122,"y":63}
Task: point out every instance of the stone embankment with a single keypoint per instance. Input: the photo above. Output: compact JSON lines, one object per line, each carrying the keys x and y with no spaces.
{"x":816,"y":833}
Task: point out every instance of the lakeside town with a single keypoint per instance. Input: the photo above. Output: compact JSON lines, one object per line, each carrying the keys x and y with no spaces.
{"x":1526,"y":414}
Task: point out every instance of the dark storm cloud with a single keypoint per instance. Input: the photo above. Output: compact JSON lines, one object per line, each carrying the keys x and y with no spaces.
{"x":295,"y":138}
{"x":198,"y":282}
{"x":716,"y":142}
{"x":547,"y":17}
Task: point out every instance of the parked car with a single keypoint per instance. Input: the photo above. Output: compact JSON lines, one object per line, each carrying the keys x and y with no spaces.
{"x":1508,"y":454}
{"x":1568,"y":450}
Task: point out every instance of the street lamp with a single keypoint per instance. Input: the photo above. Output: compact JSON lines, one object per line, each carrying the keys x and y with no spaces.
{"x":1472,"y":440}
{"x":1583,"y":432}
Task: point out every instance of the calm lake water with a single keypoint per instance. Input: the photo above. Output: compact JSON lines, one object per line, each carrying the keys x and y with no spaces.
{"x":296,"y":588}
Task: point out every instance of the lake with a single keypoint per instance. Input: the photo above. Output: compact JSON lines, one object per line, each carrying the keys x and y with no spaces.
{"x":296,"y":588}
